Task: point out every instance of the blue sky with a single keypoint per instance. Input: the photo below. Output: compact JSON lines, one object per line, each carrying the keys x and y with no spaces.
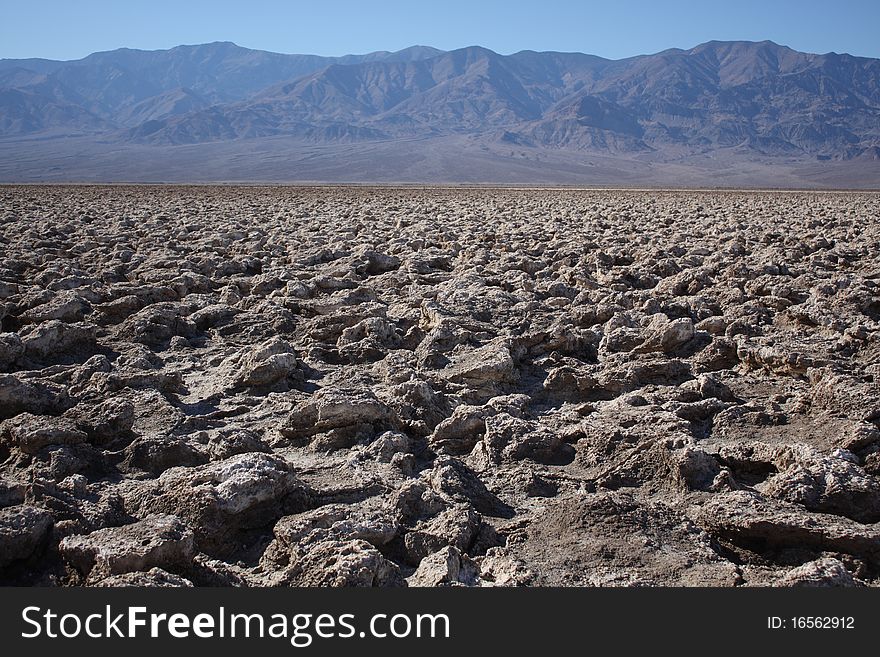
{"x":68,"y":29}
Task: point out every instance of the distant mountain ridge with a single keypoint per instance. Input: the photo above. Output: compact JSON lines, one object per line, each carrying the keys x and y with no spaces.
{"x":108,"y":84}
{"x":755,"y":98}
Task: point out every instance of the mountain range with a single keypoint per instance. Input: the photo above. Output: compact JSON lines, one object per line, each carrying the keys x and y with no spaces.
{"x":763,"y":113}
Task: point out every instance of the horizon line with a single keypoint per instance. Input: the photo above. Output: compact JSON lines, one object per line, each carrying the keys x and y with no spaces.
{"x":441,"y":51}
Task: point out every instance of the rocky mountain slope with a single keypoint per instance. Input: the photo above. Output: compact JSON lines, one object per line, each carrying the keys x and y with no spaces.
{"x":111,"y":84}
{"x":759,"y":101}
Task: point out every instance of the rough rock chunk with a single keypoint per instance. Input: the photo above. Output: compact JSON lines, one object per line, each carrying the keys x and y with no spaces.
{"x":828,"y":485}
{"x":368,"y":340}
{"x":720,"y":354}
{"x":333,"y":545}
{"x":498,"y":568}
{"x":158,"y":540}
{"x":457,"y":526}
{"x":157,"y":324}
{"x":490,"y":365}
{"x":824,"y":573}
{"x":228,"y":443}
{"x":667,"y":336}
{"x":66,"y":306}
{"x":388,"y":445}
{"x":853,"y":396}
{"x":11,"y":349}
{"x":156,"y":454}
{"x":55,"y":340}
{"x":272,"y":364}
{"x":211,"y":316}
{"x":11,"y":492}
{"x":339,"y":521}
{"x":418,"y":407}
{"x":23,"y":530}
{"x":104,"y":421}
{"x":455,"y":480}
{"x":370,"y":263}
{"x":747,"y":518}
{"x":446,"y":567}
{"x":220,"y":499}
{"x":694,"y":468}
{"x":798,"y":473}
{"x":153,"y":578}
{"x":415,"y":500}
{"x":508,"y":437}
{"x":459,"y":433}
{"x":343,"y":416}
{"x":31,"y":433}
{"x":344,"y":564}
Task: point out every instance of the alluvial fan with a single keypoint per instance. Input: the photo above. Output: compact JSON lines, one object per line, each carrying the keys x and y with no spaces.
{"x":288,"y":386}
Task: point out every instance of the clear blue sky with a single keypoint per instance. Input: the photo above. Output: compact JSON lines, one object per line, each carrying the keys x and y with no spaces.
{"x":69,"y":29}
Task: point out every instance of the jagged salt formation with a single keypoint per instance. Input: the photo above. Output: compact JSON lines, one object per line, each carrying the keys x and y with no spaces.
{"x":382,"y":387}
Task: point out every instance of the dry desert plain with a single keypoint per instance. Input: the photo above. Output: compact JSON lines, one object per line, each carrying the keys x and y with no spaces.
{"x":288,"y":386}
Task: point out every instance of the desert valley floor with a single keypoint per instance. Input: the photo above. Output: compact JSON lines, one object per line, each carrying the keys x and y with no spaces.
{"x":288,"y":386}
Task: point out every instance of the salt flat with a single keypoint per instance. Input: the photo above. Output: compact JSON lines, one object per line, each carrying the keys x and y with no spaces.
{"x":287,"y":386}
